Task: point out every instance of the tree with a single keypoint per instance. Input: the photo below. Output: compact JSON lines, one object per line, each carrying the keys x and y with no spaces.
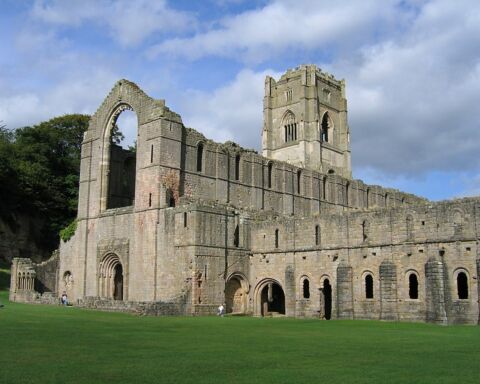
{"x":41,"y":164}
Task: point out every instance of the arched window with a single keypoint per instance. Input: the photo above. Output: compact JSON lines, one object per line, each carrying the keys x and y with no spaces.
{"x":290,"y":127}
{"x":276,"y":238}
{"x":317,"y":235}
{"x":237,"y":167}
{"x":413,"y":286}
{"x":306,"y":289}
{"x":119,"y":159}
{"x":326,"y":126}
{"x":270,"y":175}
{"x":200,"y":157}
{"x":462,"y":286}
{"x":368,"y":286}
{"x":299,"y":182}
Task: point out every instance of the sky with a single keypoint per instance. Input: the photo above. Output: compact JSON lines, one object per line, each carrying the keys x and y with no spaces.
{"x":412,"y":70}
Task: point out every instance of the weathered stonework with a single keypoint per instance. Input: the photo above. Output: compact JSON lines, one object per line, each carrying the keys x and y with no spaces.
{"x":186,"y":224}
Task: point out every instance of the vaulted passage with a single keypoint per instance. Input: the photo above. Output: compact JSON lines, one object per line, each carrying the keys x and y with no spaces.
{"x":110,"y":283}
{"x":235,"y":296}
{"x":272,"y":300}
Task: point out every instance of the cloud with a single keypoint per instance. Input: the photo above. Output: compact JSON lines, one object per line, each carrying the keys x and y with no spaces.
{"x":256,"y":35}
{"x":413,"y":100}
{"x":233,"y":111}
{"x":128,"y":22}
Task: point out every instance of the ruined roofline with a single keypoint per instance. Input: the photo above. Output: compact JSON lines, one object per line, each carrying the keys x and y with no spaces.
{"x":297,"y":72}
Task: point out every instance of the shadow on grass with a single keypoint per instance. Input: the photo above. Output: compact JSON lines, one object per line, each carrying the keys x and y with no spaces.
{"x":4,"y":275}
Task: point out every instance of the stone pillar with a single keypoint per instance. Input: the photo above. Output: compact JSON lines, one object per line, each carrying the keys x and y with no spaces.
{"x":388,"y":291}
{"x":435,"y":292}
{"x":290,"y":295}
{"x":344,"y":292}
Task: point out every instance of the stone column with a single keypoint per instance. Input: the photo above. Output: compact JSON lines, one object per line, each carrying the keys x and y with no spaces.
{"x":388,"y":291}
{"x":435,"y":292}
{"x":344,"y":291}
{"x":290,"y":295}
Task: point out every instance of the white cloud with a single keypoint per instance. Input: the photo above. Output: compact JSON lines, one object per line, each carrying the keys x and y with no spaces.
{"x":129,"y":22}
{"x":287,"y":25}
{"x":233,"y":111}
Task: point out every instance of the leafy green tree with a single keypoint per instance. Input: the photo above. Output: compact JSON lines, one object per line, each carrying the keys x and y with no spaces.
{"x":39,"y":172}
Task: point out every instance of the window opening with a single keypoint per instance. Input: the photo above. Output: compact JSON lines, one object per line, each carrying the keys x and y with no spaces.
{"x":184,"y":219}
{"x":413,"y":286}
{"x":306,"y":289}
{"x":299,"y":182}
{"x":369,"y":287}
{"x":200,"y":157}
{"x":325,"y":127}
{"x":317,"y":235}
{"x":237,"y":167}
{"x":276,"y":238}
{"x":462,"y":286}
{"x":270,"y":175}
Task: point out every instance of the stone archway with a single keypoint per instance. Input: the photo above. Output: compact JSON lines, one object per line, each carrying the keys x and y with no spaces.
{"x":236,"y":292}
{"x":110,"y":280}
{"x":270,"y":299}
{"x":326,"y":300}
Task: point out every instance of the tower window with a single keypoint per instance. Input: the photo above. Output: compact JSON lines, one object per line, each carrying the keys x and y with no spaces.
{"x":276,"y":238}
{"x":288,"y":95}
{"x":317,"y":235}
{"x":326,"y":95}
{"x":290,"y":127}
{"x":326,"y":126}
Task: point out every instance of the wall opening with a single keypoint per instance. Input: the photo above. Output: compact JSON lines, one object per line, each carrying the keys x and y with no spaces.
{"x":237,"y":167}
{"x":235,"y":295}
{"x":368,"y":286}
{"x":236,"y":236}
{"x":111,"y":280}
{"x":462,"y":286}
{"x":325,"y":128}
{"x":326,"y":300}
{"x":413,"y":286}
{"x":276,"y":238}
{"x":272,"y":300}
{"x":121,"y":146}
{"x":306,"y":289}
{"x":324,"y":188}
{"x":299,"y":182}
{"x":270,"y":175}
{"x":347,"y":193}
{"x":200,"y":157}
{"x":317,"y":235}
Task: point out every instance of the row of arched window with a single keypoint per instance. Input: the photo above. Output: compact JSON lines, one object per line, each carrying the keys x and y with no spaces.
{"x":461,"y":280}
{"x":322,"y":193}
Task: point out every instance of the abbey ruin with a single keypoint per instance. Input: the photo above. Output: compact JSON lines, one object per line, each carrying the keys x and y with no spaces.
{"x":184,"y":224}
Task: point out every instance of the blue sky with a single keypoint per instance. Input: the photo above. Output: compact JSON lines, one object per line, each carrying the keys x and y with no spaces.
{"x":412,"y":69}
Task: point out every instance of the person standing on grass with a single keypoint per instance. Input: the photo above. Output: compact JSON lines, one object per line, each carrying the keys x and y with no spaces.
{"x":221,"y":310}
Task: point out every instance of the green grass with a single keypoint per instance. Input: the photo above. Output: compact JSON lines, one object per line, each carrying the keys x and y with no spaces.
{"x":53,"y":344}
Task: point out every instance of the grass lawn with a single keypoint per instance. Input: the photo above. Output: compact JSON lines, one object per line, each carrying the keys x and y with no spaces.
{"x":53,"y":344}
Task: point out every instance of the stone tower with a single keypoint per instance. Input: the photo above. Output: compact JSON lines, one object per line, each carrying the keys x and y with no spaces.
{"x":305,"y":121}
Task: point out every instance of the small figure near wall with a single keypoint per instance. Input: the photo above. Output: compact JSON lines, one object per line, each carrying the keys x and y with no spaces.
{"x":64,"y":298}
